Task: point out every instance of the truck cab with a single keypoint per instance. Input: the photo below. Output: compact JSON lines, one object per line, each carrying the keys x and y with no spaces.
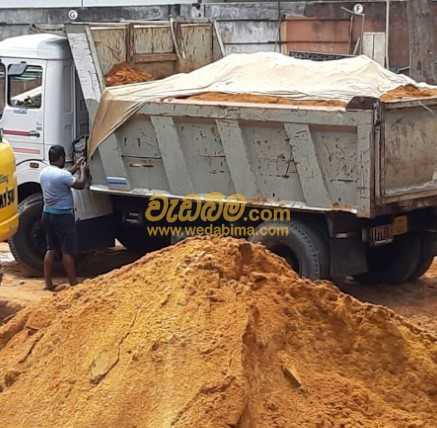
{"x":50,"y":87}
{"x":38,"y":106}
{"x":41,"y":104}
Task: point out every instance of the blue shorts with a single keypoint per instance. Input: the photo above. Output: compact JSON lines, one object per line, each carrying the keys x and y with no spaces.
{"x":61,"y":232}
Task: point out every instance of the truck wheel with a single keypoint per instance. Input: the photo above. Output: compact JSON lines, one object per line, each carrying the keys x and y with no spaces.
{"x":394,"y":263}
{"x":302,"y":247}
{"x":426,"y":255}
{"x":28,"y":245}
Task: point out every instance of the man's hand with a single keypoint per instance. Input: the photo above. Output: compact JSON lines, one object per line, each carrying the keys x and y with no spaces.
{"x":76,"y":165}
{"x":83,"y":167}
{"x":79,"y":162}
{"x":80,"y":183}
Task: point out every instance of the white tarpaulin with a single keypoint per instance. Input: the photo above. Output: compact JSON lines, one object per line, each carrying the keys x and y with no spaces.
{"x":262,"y":73}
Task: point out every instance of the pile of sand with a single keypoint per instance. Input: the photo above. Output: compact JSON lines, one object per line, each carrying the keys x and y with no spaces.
{"x":263,"y":99}
{"x":123,"y":74}
{"x":409,"y":92}
{"x":213,"y":333}
{"x":401,"y":93}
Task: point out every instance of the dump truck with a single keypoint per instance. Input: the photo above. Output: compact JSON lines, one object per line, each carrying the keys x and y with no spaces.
{"x":8,"y":194}
{"x":52,"y":86}
{"x":358,"y":182}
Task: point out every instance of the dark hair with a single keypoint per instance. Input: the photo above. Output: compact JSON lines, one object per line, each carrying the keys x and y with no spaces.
{"x":56,"y":152}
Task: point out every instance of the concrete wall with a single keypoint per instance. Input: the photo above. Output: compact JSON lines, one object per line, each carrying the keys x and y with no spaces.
{"x":247,"y":26}
{"x":38,"y":4}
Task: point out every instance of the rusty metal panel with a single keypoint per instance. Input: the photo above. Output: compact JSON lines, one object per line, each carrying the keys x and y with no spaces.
{"x":154,"y":39}
{"x":161,"y":49}
{"x":317,"y":35}
{"x":111,"y":46}
{"x":197,"y":45}
{"x":408,"y":153}
{"x":317,"y":30}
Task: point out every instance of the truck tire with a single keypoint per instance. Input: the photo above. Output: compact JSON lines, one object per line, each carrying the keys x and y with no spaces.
{"x":28,"y":245}
{"x":394,"y":263}
{"x":303,"y":248}
{"x":426,"y":255}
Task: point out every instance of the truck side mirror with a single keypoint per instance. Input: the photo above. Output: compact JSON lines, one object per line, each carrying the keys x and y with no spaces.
{"x":16,"y":70}
{"x":1,"y":135}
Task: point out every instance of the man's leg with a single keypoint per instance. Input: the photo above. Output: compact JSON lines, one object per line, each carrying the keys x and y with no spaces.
{"x":49,"y":259}
{"x":68,"y":262}
{"x":69,"y":247}
{"x":52,"y":244}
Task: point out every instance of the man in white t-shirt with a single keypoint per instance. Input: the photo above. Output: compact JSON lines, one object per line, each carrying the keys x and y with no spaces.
{"x":58,"y":216}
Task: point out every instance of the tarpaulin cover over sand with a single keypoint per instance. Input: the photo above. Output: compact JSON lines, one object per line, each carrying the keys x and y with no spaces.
{"x":214,"y":333}
{"x":262,"y":73}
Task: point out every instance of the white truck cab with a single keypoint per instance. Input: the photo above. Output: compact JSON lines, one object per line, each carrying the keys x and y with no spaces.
{"x":41,"y":104}
{"x":50,"y":88}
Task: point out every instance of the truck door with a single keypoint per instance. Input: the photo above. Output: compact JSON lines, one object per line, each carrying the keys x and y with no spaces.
{"x":22,"y":117}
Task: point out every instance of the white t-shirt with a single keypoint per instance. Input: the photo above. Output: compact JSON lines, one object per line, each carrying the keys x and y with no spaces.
{"x":56,"y":186}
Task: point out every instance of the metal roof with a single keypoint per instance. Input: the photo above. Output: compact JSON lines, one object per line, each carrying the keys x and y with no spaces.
{"x":36,"y":46}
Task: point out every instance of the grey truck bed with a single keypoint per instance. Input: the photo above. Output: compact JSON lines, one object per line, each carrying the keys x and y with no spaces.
{"x":369,"y":158}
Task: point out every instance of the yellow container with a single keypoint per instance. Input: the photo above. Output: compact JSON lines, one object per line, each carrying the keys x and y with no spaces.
{"x":8,"y":192}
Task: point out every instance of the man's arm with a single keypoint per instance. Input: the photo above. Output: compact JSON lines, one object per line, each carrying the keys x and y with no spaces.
{"x":75,"y":167}
{"x":81,"y":182}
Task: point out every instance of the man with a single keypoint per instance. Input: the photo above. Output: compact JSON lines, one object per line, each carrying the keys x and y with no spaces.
{"x":58,"y":217}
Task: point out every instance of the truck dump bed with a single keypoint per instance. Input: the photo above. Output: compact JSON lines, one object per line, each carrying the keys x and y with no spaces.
{"x":369,"y":161}
{"x":160,"y":48}
{"x":367,"y":157}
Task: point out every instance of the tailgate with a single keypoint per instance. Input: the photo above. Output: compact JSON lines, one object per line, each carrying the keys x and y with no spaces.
{"x":408,"y":162}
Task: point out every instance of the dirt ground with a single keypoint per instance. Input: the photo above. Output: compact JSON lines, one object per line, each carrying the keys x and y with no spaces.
{"x":18,"y":289}
{"x":415,"y":301}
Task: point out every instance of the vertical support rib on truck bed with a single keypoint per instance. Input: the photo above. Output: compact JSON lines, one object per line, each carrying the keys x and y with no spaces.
{"x":243,"y":177}
{"x":172,"y":155}
{"x":366,"y":166}
{"x":311,"y":178}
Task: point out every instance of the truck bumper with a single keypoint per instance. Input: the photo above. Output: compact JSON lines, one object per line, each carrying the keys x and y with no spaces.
{"x":8,"y":228}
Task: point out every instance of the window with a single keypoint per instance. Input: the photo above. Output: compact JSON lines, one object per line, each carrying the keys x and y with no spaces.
{"x":2,"y":88}
{"x":26,"y":90}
